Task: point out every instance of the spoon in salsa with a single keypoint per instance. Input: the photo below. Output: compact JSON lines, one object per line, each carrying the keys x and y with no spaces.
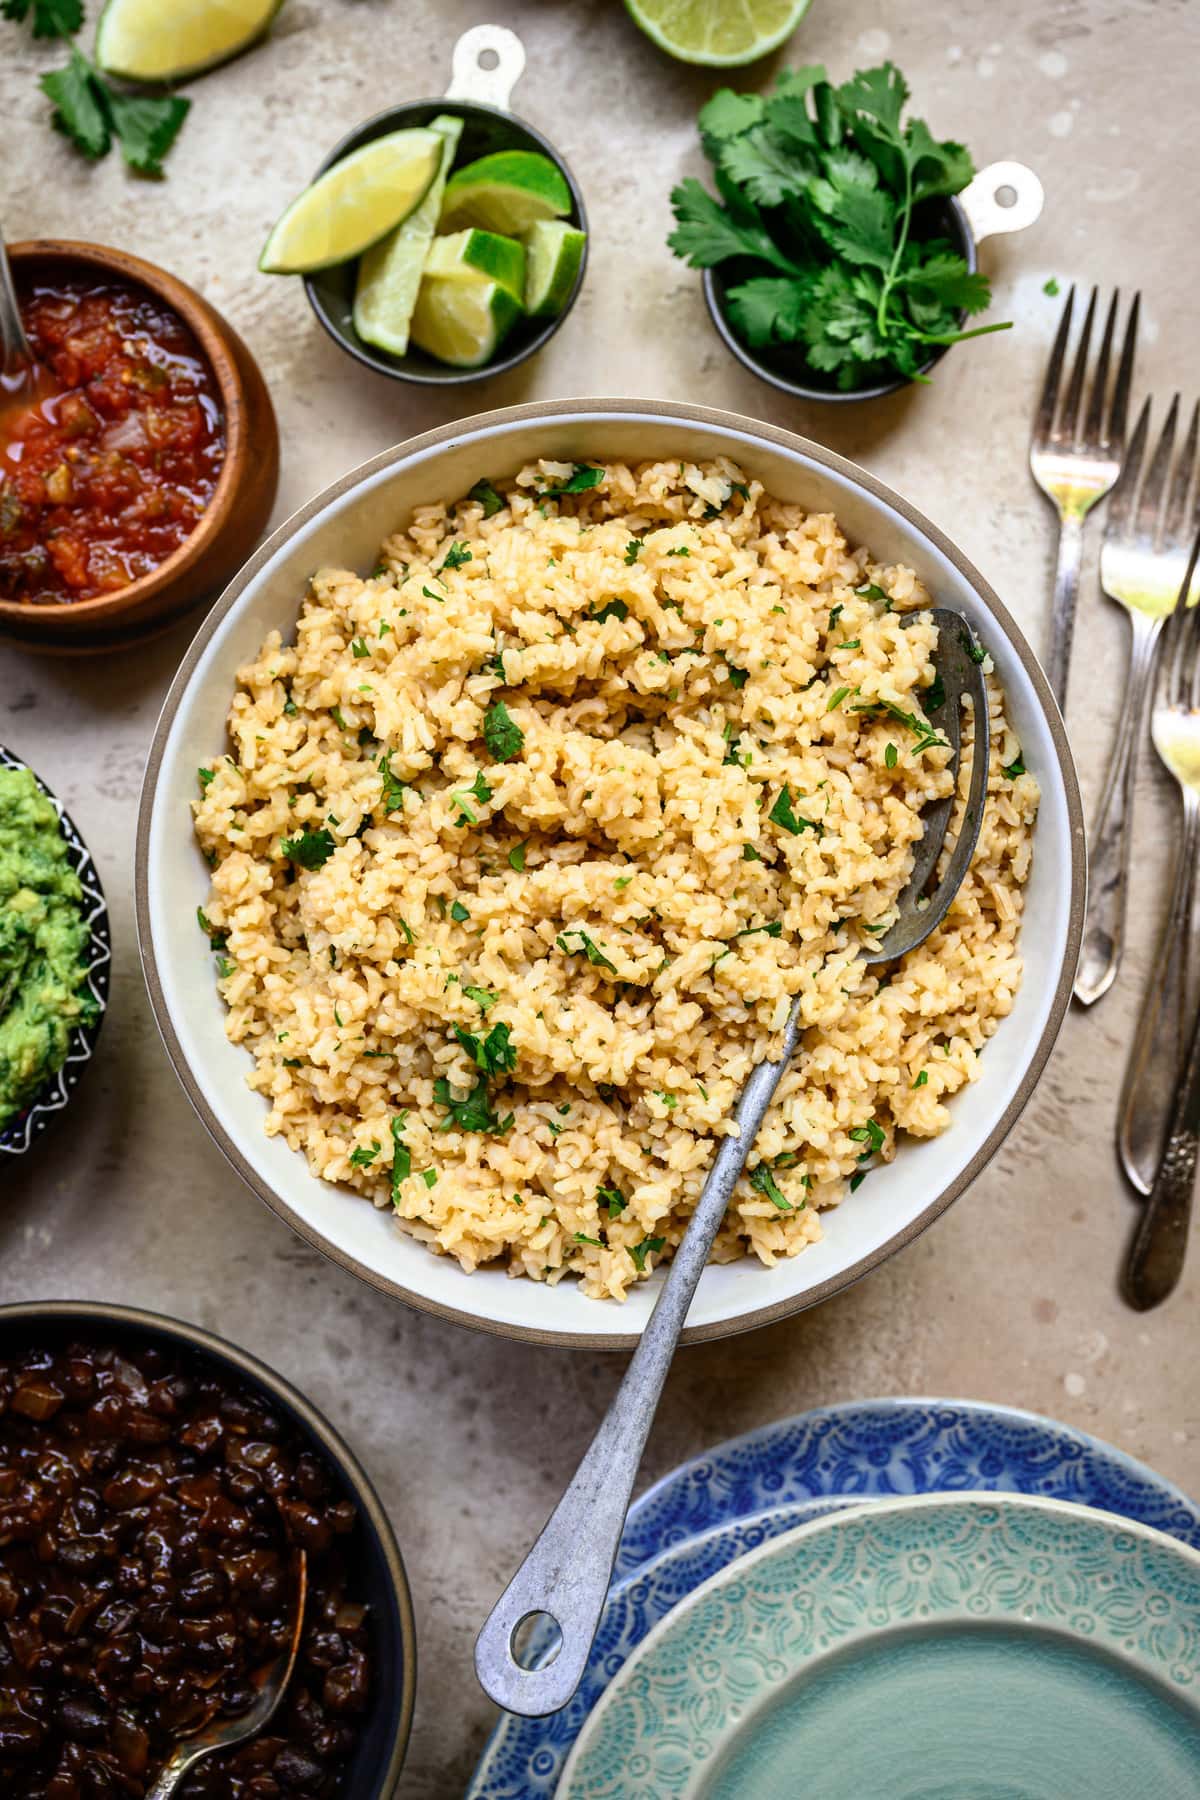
{"x":23,"y":380}
{"x":533,"y":1649}
{"x":271,"y":1682}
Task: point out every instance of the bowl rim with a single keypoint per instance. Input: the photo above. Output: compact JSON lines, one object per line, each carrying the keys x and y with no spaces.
{"x":119,"y":1316}
{"x":456,"y":433}
{"x":373,"y":359}
{"x":209,"y":329}
{"x":969,"y":250}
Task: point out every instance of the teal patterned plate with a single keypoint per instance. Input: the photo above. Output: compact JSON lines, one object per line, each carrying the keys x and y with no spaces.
{"x":937,"y":1648}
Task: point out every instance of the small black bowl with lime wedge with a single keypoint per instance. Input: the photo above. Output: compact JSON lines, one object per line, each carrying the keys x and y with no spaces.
{"x":536,"y":280}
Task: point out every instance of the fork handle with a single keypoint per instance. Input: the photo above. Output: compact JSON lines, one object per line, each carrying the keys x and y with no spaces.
{"x":1108,"y":851}
{"x":1153,"y":1064}
{"x":1159,"y":1248}
{"x":1066,"y":593}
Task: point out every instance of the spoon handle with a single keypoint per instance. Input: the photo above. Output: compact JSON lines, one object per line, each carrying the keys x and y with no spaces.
{"x":567,"y":1573}
{"x":14,"y":345}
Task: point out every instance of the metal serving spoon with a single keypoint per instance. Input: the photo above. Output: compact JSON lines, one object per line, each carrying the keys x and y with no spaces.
{"x":17,"y":363}
{"x":563,"y":1582}
{"x":271,"y":1682}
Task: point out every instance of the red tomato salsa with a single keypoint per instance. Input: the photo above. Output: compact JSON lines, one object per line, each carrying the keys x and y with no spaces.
{"x":109,"y":469}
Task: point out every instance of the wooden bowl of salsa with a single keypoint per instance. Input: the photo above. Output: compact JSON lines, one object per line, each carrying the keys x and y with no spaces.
{"x":141,"y":473}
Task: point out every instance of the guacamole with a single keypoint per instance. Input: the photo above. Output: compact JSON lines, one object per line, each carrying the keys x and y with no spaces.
{"x":43,"y":943}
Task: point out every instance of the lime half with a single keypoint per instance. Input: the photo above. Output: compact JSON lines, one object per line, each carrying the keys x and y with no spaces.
{"x":721,"y":33}
{"x":466,"y":255}
{"x":147,"y":40}
{"x":553,"y":253}
{"x":354,"y":203}
{"x":390,"y":271}
{"x":462,"y":323}
{"x":507,"y":193}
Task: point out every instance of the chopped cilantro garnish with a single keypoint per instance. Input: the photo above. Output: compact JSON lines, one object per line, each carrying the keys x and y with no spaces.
{"x":872,"y":1135}
{"x":922,"y":1078}
{"x":501,"y":733}
{"x":633,"y":550}
{"x":483,"y":997}
{"x":850,"y":644}
{"x":429,"y":1177}
{"x":495,"y":1054}
{"x":582,"y":1238}
{"x":488,"y":498}
{"x":612,"y":609}
{"x":456,"y":556}
{"x":1051,"y":288}
{"x":360,"y":647}
{"x":516,"y":858}
{"x":225,"y":967}
{"x":679,"y":550}
{"x":639,"y":1252}
{"x":613,"y":1198}
{"x":774,"y":930}
{"x":582,"y":477}
{"x":363,"y":1155}
{"x":871,"y":590}
{"x":670,"y":1101}
{"x":585,"y":947}
{"x":407,"y":929}
{"x":310,"y":849}
{"x":835,"y":613}
{"x":459,"y":913}
{"x":782,"y":814}
{"x":935,"y":693}
{"x":401,"y":1155}
{"x":891,"y":756}
{"x":430,"y":595}
{"x":480,"y":790}
{"x":392,"y":795}
{"x":857,"y":1179}
{"x":290,"y":709}
{"x":739,"y":677}
{"x":469,"y":1112}
{"x":836,"y":698}
{"x":750,"y":854}
{"x":764,"y":1182}
{"x":621,"y":882}
{"x":217,"y":937}
{"x":205,"y":777}
{"x":1011,"y":770}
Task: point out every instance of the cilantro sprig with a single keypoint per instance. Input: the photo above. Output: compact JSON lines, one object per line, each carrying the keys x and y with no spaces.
{"x":816,"y":213}
{"x":91,"y":113}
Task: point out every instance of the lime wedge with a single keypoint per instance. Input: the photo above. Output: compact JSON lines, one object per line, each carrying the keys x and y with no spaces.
{"x":721,"y":33}
{"x":390,"y":271}
{"x":145,"y":40}
{"x":466,"y":255}
{"x":354,"y":203}
{"x":553,"y":253}
{"x":462,"y":322}
{"x":507,"y":192}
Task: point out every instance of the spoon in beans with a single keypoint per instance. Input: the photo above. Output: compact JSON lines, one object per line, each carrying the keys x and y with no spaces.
{"x":561,"y":1587}
{"x":271,"y":1682}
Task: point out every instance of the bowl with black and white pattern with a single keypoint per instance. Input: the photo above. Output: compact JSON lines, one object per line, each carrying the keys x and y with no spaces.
{"x":25,"y":1127}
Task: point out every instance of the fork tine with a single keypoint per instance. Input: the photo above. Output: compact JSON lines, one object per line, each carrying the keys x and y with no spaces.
{"x":1182,"y":626}
{"x":1119,"y":512}
{"x":1093,"y":432}
{"x":1044,"y":423}
{"x":1067,"y":430}
{"x":1150,"y":500}
{"x":1176,"y":522}
{"x":1192,"y":625}
{"x":1124,"y":381}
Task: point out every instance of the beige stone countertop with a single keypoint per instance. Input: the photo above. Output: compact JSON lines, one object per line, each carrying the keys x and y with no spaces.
{"x":1011,"y":1297}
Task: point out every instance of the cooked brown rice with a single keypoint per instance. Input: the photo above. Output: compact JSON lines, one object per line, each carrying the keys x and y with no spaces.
{"x":697,"y":674}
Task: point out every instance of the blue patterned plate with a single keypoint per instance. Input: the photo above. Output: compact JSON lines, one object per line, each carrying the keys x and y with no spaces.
{"x":943,"y":1647}
{"x":19,"y":1132}
{"x":691,"y":1524}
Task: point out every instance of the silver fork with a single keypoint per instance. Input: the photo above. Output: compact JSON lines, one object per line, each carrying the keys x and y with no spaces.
{"x":1158,"y":1041}
{"x":1147,"y":534}
{"x":1159,"y":1247}
{"x":1074,"y":465}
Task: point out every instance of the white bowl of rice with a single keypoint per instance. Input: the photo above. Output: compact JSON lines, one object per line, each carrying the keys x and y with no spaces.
{"x":520,"y":782}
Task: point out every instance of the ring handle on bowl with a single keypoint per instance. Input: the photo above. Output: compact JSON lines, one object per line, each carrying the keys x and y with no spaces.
{"x":489,"y":83}
{"x":986,"y":215}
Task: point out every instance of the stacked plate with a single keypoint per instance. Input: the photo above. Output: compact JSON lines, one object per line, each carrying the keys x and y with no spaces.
{"x":999,"y":1576}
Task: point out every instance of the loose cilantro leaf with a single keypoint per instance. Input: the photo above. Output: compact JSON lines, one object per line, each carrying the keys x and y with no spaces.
{"x":502,"y":735}
{"x":774,"y":930}
{"x":488,"y":498}
{"x":782,"y":814}
{"x":363,"y":1155}
{"x":215,"y":935}
{"x":872,"y":1135}
{"x":613,"y":1198}
{"x":51,"y":18}
{"x":1051,"y":287}
{"x":478,"y":790}
{"x":483,"y":997}
{"x":612,"y":609}
{"x":739,"y":677}
{"x":516,"y":858}
{"x":310,"y":848}
{"x":1011,"y":770}
{"x":456,"y":556}
{"x":205,"y":777}
{"x":401,"y":1156}
{"x":583,"y":477}
{"x":146,"y":126}
{"x":764,"y":1182}
{"x":79,"y":105}
{"x":392,"y":794}
{"x":459,"y":913}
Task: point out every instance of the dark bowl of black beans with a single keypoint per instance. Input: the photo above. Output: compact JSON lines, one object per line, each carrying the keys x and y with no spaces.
{"x":156,"y":1483}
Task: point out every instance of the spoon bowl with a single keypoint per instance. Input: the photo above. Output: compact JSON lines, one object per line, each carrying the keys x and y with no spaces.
{"x":223,"y":1734}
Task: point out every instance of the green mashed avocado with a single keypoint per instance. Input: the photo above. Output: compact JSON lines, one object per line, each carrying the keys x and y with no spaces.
{"x":43,"y":940}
